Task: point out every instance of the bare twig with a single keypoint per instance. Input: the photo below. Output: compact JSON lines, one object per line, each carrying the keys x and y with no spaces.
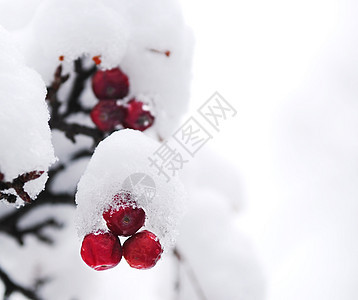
{"x":191,"y":274}
{"x":58,"y":120}
{"x":73,"y":129}
{"x":36,"y":230}
{"x":10,"y":223}
{"x":12,"y":287}
{"x":167,"y":53}
{"x":18,"y":185}
{"x":73,"y":104}
{"x":52,"y":90}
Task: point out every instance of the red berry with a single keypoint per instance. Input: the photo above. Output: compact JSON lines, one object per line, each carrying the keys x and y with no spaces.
{"x":142,"y":250}
{"x":110,"y":84}
{"x":124,"y":220}
{"x":137,"y":118}
{"x":101,"y":250}
{"x":108,"y":114}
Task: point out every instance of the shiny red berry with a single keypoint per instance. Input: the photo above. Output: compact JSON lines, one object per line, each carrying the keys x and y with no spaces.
{"x":137,"y":118}
{"x":110,"y":84}
{"x":108,"y":114}
{"x":101,"y":250}
{"x":124,"y":220}
{"x":142,"y":250}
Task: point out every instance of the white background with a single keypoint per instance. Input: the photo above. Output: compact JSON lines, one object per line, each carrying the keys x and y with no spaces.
{"x":291,"y":70}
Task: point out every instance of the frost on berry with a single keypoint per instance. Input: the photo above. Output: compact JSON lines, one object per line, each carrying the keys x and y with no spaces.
{"x":116,"y":158}
{"x":110,"y":84}
{"x":108,"y":114}
{"x":124,"y":217}
{"x":138,"y":117}
{"x":142,"y":250}
{"x":101,"y":250}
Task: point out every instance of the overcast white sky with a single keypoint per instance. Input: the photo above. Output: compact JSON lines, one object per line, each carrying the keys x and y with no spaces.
{"x":291,"y":70}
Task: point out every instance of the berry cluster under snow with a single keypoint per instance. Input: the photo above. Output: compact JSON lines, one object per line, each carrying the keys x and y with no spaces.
{"x":123,"y":154}
{"x":148,"y":48}
{"x":148,"y":40}
{"x":132,"y":60}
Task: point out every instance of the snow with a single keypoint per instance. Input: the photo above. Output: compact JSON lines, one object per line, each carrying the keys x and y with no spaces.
{"x":69,"y":277}
{"x":24,"y":131}
{"x":222,"y":258}
{"x":91,"y":28}
{"x":295,"y":137}
{"x":209,"y":171}
{"x":115,"y":159}
{"x":15,"y":14}
{"x":134,"y":35}
{"x":66,"y":181}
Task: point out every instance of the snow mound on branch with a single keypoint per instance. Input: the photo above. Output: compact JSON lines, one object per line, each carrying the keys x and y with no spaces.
{"x":73,"y":28}
{"x":24,"y":131}
{"x":159,"y":25}
{"x":149,"y":40}
{"x":117,"y":160}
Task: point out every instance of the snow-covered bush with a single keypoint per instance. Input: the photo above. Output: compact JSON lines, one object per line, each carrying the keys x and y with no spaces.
{"x":76,"y":156}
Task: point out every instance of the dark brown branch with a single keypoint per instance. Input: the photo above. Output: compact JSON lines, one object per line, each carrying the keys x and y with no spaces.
{"x":12,"y":287}
{"x":81,"y":154}
{"x":53,"y":172}
{"x":36,"y":230}
{"x":52,"y":90}
{"x":58,"y":121}
{"x":59,"y":79}
{"x":73,"y":129}
{"x":9,"y":224}
{"x":8,"y":197}
{"x":73,"y":104}
{"x":18,"y":185}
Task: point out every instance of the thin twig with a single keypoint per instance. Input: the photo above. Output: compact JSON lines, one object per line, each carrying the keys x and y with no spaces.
{"x":73,"y":104}
{"x":12,"y":287}
{"x":9,"y":223}
{"x":73,"y":129}
{"x":190,"y":272}
{"x":58,"y":120}
{"x":18,"y":185}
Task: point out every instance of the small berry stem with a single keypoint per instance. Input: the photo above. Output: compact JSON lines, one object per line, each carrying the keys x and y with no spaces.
{"x":167,"y":53}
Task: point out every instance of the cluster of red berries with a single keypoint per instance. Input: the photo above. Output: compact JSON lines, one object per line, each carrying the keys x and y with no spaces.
{"x":110,"y":86}
{"x":102,"y":250}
